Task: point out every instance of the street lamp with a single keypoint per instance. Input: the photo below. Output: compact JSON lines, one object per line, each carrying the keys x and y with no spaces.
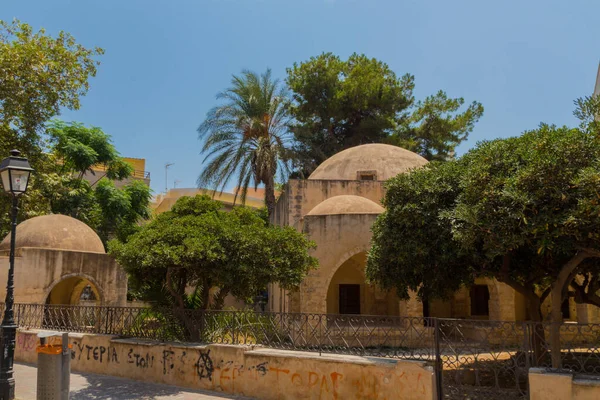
{"x":14,"y":171}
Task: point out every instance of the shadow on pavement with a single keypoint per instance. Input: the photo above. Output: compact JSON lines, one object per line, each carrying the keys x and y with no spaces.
{"x":105,"y":387}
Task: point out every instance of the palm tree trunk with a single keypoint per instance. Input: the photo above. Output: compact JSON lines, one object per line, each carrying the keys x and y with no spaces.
{"x":270,"y":195}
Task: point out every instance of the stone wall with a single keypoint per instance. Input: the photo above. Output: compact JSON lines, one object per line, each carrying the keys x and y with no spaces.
{"x":244,"y":370}
{"x":38,"y":271}
{"x":302,"y":195}
{"x":545,"y":385}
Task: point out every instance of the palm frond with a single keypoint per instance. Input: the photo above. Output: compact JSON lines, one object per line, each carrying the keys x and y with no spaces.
{"x":246,"y":138}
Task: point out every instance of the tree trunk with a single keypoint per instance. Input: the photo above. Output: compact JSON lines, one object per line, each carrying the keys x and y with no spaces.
{"x":537,"y":335}
{"x":270,"y":194}
{"x":559,"y":289}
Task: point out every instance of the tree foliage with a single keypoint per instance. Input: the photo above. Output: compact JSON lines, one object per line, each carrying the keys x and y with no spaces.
{"x":435,"y":126}
{"x":340,"y":104}
{"x":245,"y":139}
{"x":344,"y":103}
{"x":60,"y":187}
{"x":78,"y":148}
{"x":111,"y":211}
{"x":39,"y":74}
{"x":523,"y":210}
{"x":180,"y":255}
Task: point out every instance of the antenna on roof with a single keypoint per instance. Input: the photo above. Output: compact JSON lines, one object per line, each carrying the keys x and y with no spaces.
{"x":175,"y":183}
{"x":167,"y":165}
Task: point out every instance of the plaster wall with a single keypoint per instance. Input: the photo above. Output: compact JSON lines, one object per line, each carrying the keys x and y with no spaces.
{"x":244,"y":370}
{"x":373,"y":301}
{"x":545,"y":385}
{"x":38,"y":271}
{"x":302,"y":195}
{"x":339,"y":238}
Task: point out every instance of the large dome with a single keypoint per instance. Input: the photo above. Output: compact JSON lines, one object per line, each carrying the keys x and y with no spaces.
{"x":55,"y":231}
{"x":378,"y":162}
{"x":346,"y":204}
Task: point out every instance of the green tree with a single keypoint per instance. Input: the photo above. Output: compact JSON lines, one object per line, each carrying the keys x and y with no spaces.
{"x":78,"y":148}
{"x":39,"y":75}
{"x":413,"y":246}
{"x":245,"y":139}
{"x":60,"y":188}
{"x":74,"y":150}
{"x":198,"y":246}
{"x":522,"y":210}
{"x":435,"y":126}
{"x":340,"y":104}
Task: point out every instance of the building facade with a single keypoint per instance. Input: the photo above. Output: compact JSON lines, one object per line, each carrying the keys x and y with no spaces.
{"x":139,"y":173}
{"x":336,"y":207}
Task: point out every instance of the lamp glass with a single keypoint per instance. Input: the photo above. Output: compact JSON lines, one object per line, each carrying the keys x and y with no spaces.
{"x":6,"y":180}
{"x":19,"y":179}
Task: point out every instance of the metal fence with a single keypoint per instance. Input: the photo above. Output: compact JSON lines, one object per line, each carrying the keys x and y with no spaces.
{"x":347,"y":334}
{"x":473,"y":359}
{"x":491,"y":359}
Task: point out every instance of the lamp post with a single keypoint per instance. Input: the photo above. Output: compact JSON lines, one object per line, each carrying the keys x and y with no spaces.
{"x":14,"y":171}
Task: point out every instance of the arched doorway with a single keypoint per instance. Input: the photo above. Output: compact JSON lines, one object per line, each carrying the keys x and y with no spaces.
{"x":74,"y":290}
{"x":348,"y":292}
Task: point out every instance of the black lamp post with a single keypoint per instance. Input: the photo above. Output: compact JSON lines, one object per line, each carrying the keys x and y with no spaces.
{"x":14,"y":171}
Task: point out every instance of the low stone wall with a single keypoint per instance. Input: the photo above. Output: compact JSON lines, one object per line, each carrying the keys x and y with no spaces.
{"x":544,"y":385}
{"x":244,"y":370}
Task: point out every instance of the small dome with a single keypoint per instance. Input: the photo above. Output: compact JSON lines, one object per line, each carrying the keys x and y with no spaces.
{"x":346,"y":204}
{"x":55,"y":231}
{"x":377,"y":161}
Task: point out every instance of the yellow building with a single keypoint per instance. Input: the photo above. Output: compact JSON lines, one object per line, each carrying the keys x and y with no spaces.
{"x":139,"y":172}
{"x":164,"y":202}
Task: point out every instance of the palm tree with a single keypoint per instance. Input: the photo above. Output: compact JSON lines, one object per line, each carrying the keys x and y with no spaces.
{"x":245,"y":138}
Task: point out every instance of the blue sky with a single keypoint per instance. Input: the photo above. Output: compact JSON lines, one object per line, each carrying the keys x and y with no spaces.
{"x":526,"y":61}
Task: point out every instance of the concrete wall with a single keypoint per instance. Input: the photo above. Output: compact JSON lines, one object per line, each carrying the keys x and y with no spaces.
{"x":243,"y":370}
{"x":39,"y":271}
{"x":545,"y":385}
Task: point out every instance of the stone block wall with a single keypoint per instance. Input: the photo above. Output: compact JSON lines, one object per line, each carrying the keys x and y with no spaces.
{"x":244,"y":370}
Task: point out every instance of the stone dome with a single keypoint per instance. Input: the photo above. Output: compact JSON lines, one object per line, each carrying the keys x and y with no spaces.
{"x":55,"y":231}
{"x":376,"y":161}
{"x":346,"y":204}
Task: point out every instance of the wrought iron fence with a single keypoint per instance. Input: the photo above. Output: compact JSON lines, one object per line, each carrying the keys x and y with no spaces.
{"x":491,"y":359}
{"x":382,"y":336}
{"x":472,"y":358}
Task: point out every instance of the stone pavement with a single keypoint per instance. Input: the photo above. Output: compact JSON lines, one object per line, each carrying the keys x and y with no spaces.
{"x":91,"y":386}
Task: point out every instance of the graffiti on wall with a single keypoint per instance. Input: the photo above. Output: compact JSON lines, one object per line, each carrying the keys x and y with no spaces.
{"x":209,"y":368}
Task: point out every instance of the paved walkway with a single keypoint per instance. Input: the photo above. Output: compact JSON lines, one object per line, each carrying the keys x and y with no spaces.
{"x":91,"y":386}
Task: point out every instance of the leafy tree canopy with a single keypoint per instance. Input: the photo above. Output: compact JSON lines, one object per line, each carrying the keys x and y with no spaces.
{"x":345,"y":103}
{"x":78,"y":148}
{"x":196,"y":246}
{"x":59,"y":188}
{"x":522,"y":210}
{"x":39,"y":74}
{"x":434,"y":126}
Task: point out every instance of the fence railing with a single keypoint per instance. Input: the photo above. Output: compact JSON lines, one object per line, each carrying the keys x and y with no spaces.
{"x":481,"y":359}
{"x":361,"y":335}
